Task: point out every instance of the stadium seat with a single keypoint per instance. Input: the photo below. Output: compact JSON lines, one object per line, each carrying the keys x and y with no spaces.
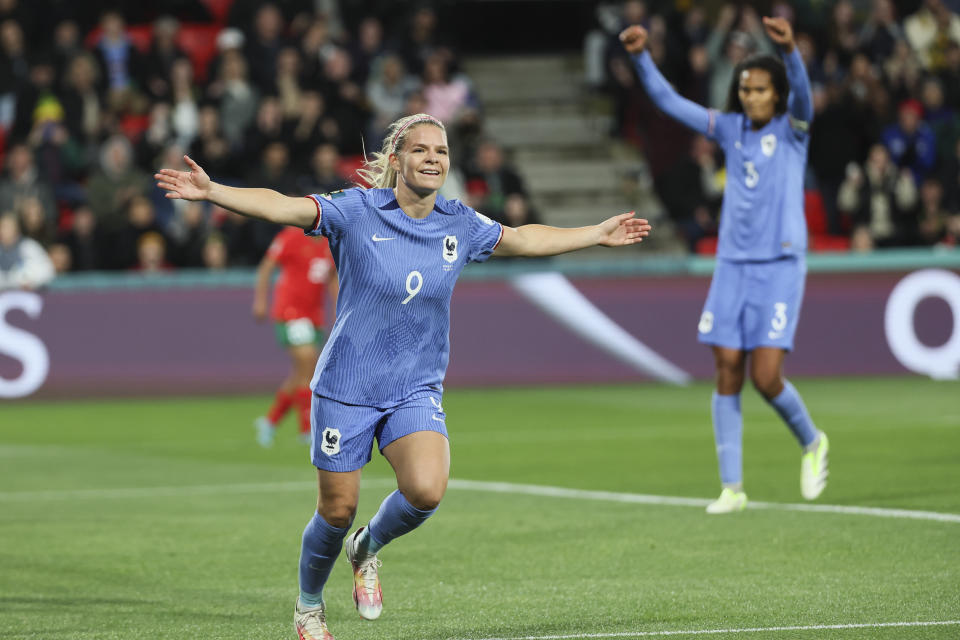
{"x":218,"y":9}
{"x":827,"y":242}
{"x":816,"y":213}
{"x":348,"y":166}
{"x":199,"y":41}
{"x":707,"y":246}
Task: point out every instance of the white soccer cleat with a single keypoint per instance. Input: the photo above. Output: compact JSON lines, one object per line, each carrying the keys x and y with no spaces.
{"x":311,"y":622}
{"x":265,"y":431}
{"x":813,"y":469}
{"x":367,"y":594}
{"x":730,"y":501}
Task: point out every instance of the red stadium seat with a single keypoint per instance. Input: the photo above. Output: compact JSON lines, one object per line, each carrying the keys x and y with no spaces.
{"x":218,"y":9}
{"x":815,"y":211}
{"x":707,"y":246}
{"x":826,"y":242}
{"x":348,"y":166}
{"x":199,"y":41}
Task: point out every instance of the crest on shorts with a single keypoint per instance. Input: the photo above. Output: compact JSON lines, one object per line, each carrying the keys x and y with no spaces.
{"x":450,"y":248}
{"x":706,"y":322}
{"x":768,"y":144}
{"x":330,"y":443}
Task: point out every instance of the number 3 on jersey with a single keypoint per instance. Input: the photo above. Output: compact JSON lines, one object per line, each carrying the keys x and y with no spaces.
{"x":414,"y":284}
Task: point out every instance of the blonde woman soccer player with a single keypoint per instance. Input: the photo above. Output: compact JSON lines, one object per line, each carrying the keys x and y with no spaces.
{"x":754,"y":300}
{"x":399,"y":248}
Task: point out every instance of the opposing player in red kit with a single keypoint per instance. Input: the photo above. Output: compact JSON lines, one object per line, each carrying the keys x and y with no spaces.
{"x":307,"y":277}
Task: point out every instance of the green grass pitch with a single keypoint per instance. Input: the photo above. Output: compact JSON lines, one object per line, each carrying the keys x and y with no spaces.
{"x":162,"y":519}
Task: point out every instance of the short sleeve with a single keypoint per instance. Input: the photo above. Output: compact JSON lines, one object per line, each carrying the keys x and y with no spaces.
{"x":723,"y":126}
{"x":485,"y":235}
{"x":336,"y":211}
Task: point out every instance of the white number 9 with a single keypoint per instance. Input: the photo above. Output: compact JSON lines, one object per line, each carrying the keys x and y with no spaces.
{"x":413,"y":289}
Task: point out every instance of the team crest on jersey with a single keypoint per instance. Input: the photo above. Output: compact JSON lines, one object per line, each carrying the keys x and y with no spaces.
{"x":330,"y":444}
{"x":450,"y":248}
{"x":768,"y":144}
{"x":485,"y":219}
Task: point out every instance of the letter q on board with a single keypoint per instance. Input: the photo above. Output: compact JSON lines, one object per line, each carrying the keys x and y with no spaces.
{"x":941,"y":362}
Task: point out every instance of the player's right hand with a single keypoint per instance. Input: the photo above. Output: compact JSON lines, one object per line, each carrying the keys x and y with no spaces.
{"x":183,"y":185}
{"x":634,"y":39}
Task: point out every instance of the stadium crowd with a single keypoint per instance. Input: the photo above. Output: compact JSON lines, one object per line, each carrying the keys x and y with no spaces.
{"x":884,"y":164}
{"x":95,"y":96}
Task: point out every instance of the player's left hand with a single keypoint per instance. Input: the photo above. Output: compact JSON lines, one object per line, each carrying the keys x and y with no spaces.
{"x":622,"y":230}
{"x":780,"y":31}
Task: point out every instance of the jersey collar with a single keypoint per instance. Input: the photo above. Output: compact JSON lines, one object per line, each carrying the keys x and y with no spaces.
{"x":384,"y":199}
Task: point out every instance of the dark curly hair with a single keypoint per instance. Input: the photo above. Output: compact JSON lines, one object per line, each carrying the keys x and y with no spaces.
{"x":778,"y":76}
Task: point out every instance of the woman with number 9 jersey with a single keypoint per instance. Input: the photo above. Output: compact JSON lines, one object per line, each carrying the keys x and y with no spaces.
{"x":399,"y":248}
{"x":757,"y":288}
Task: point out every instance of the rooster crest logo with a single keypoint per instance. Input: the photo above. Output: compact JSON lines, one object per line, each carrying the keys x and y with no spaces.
{"x":450,"y":248}
{"x":331,"y":441}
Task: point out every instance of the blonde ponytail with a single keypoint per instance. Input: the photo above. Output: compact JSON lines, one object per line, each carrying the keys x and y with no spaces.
{"x":377,"y":172}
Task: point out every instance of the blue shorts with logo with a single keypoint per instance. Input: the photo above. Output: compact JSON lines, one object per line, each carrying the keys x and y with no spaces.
{"x":753,"y":304}
{"x":343,"y":434}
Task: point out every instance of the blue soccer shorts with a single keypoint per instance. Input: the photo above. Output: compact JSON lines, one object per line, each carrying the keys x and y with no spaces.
{"x":753,"y":304}
{"x":343,"y":434}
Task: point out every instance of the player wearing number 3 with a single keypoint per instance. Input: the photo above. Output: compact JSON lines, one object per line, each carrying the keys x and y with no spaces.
{"x":399,"y":248}
{"x":754,"y":300}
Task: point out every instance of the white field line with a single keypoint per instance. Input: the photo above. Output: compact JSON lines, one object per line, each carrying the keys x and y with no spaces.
{"x":465,"y":485}
{"x":705,"y":632}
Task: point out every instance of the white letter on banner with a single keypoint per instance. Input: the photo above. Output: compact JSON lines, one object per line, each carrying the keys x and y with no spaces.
{"x":20,"y":345}
{"x":940,"y":363}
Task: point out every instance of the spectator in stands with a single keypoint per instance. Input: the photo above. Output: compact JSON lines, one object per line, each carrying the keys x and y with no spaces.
{"x":315,"y":45}
{"x":188,"y":232}
{"x":286,"y":84}
{"x":34,"y":223}
{"x":692,"y":190}
{"x":933,"y":218}
{"x":388,"y":86}
{"x":880,"y":32}
{"x":82,"y":104}
{"x":67,"y":45}
{"x":268,"y":127}
{"x":263,"y":46}
{"x":950,"y":74}
{"x":239,"y":235}
{"x":929,"y":30}
{"x":118,"y":181}
{"x":14,"y":70}
{"x":902,"y":72}
{"x":367,"y":47}
{"x":211,"y":145}
{"x":60,"y":258}
{"x":151,"y":254}
{"x":159,"y":134}
{"x":140,"y":220}
{"x":880,"y":199}
{"x":738,"y":34}
{"x":447,"y":96}
{"x":22,"y":181}
{"x":84,"y":241}
{"x":120,"y":61}
{"x":325,"y":176}
{"x":910,"y":141}
{"x":158,"y":63}
{"x":23,"y":262}
{"x":184,"y":113}
{"x":310,"y":127}
{"x":215,"y":253}
{"x":237,"y":97}
{"x":943,"y":119}
{"x":490,"y":182}
{"x":420,"y":39}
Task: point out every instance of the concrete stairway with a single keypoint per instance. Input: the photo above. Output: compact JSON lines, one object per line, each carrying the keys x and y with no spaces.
{"x":556,"y":133}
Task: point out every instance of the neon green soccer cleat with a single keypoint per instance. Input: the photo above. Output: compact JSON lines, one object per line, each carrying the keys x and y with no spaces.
{"x":813,"y":469}
{"x":730,"y":501}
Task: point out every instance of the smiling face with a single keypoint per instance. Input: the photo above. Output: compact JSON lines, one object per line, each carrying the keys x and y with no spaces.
{"x":757,"y":95}
{"x":424,"y":159}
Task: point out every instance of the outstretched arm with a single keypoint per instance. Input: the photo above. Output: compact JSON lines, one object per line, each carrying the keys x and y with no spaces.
{"x":689,"y":113}
{"x":265,"y":204}
{"x":800,"y":102}
{"x":535,"y":240}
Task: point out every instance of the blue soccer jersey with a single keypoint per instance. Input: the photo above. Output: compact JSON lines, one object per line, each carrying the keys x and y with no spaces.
{"x":391,"y":338}
{"x":762,"y":216}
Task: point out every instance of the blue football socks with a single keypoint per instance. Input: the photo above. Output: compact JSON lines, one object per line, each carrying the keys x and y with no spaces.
{"x":791,"y":408}
{"x":728,"y":433}
{"x":321,"y":545}
{"x":395,"y":517}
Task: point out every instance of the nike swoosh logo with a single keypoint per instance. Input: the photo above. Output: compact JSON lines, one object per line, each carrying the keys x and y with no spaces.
{"x":377,"y":238}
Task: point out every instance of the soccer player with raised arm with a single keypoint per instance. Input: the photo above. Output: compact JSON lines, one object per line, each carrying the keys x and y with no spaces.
{"x":399,"y":248}
{"x":307,"y":278}
{"x":754,"y":300}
